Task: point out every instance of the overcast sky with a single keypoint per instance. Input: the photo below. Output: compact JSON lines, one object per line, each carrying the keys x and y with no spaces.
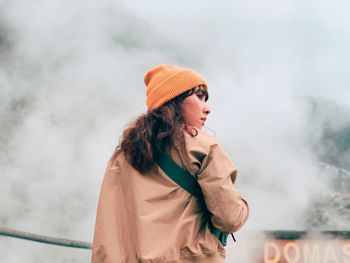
{"x":312,"y":35}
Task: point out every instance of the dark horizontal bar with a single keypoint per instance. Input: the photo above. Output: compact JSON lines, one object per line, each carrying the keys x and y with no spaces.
{"x":293,"y":235}
{"x":272,"y":234}
{"x":44,"y":239}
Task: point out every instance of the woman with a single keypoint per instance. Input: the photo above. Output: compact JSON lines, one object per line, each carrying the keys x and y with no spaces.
{"x":143,"y":215}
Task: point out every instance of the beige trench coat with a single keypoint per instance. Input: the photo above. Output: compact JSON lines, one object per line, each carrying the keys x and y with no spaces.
{"x":150,"y":219}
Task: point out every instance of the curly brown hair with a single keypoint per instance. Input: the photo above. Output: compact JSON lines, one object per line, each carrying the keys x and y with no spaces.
{"x":160,"y":129}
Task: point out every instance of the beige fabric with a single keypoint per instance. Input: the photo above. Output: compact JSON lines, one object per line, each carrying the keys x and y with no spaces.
{"x":150,"y":219}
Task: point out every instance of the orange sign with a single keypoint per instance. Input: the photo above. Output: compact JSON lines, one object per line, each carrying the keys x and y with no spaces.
{"x":306,"y":251}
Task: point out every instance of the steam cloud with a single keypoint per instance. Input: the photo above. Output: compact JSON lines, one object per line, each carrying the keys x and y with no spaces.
{"x":71,"y":77}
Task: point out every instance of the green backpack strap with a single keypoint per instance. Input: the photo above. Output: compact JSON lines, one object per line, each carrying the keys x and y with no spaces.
{"x":188,"y":182}
{"x":179,"y":175}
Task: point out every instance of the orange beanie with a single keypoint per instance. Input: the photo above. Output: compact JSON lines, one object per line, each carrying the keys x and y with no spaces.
{"x":165,"y":82}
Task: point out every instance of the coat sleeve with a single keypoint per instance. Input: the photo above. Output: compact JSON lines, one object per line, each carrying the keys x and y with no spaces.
{"x":216,"y":176}
{"x":105,"y":246}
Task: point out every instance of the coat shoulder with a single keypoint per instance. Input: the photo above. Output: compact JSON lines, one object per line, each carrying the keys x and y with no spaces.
{"x":199,"y":141}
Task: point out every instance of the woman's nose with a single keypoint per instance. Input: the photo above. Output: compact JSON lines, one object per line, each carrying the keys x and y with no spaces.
{"x":206,"y":109}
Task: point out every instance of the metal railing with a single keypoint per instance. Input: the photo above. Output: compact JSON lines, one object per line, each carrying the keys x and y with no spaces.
{"x":44,"y":239}
{"x":277,"y":235}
